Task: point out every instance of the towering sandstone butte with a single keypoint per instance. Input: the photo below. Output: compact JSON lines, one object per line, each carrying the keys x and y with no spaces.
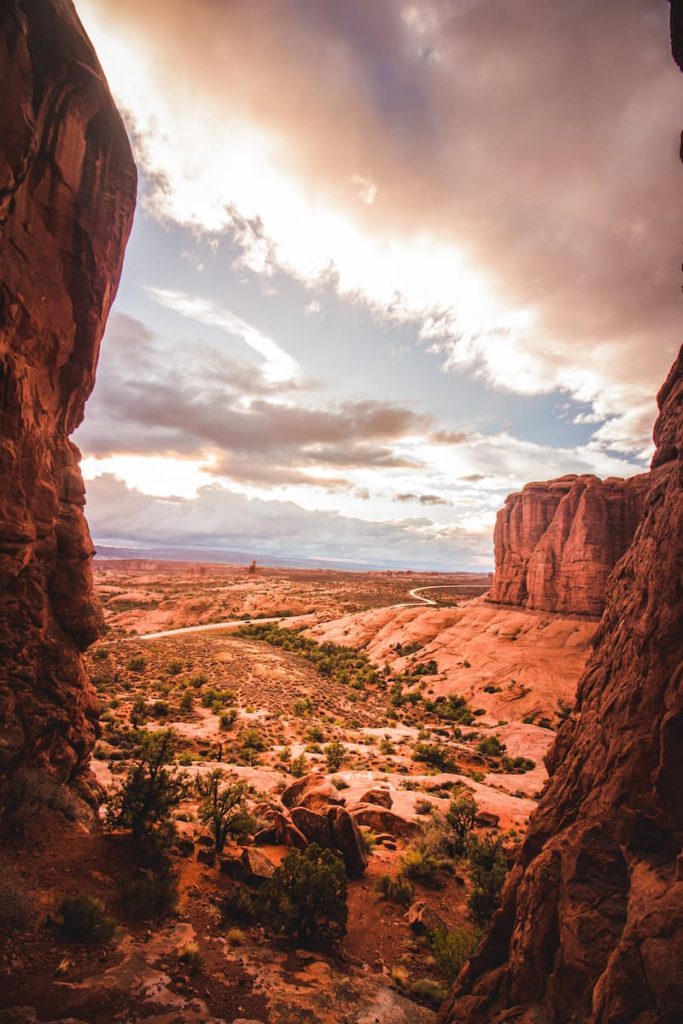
{"x":67,"y":195}
{"x":557,"y":542}
{"x":591,"y":927}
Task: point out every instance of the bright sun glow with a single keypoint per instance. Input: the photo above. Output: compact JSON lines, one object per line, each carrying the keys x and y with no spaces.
{"x":157,"y":475}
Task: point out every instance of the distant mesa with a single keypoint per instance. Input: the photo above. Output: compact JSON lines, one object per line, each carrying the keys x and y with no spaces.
{"x":556,"y":542}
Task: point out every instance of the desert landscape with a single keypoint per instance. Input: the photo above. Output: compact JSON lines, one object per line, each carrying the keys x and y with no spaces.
{"x":273,"y":794}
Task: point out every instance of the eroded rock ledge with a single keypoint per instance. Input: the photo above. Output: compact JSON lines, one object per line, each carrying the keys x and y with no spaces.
{"x":591,"y":927}
{"x":557,"y":542}
{"x":67,"y":195}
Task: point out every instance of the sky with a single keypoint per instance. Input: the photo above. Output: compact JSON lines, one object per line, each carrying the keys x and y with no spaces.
{"x":391,"y":261}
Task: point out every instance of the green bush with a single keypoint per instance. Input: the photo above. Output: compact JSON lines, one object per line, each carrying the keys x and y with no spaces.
{"x":491,"y":746}
{"x":137,"y":663}
{"x":84,"y":919}
{"x":144,"y":801}
{"x":150,"y":895}
{"x":305,"y":900}
{"x":239,"y":905}
{"x":335,"y":753}
{"x":435,"y":755}
{"x":398,"y":889}
{"x":227,"y":718}
{"x":452,"y":949}
{"x":186,"y":702}
{"x":460,"y":822}
{"x":223,"y":808}
{"x":427,"y":991}
{"x":488,"y":868}
{"x":299,"y":766}
{"x":174,"y":667}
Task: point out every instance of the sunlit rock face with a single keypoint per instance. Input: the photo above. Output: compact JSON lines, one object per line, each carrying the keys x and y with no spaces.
{"x":591,"y":927}
{"x":67,"y":195}
{"x":557,"y":542}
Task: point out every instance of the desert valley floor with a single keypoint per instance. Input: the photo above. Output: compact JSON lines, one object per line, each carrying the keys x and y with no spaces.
{"x":401,"y":691}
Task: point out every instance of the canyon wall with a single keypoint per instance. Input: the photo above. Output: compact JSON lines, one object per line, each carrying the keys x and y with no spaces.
{"x":67,"y":195}
{"x":557,"y":542}
{"x":591,"y":925}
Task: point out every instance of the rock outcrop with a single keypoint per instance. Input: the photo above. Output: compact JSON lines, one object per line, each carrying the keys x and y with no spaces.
{"x":67,"y":195}
{"x":557,"y":542}
{"x":591,"y":925}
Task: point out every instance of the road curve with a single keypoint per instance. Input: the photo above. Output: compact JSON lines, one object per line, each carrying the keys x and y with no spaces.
{"x":230,"y":623}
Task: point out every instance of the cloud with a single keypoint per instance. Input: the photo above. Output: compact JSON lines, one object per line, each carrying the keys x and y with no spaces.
{"x":156,"y":399}
{"x":521,"y":159}
{"x":278,"y":364}
{"x":422,"y":499}
{"x":220,"y":519}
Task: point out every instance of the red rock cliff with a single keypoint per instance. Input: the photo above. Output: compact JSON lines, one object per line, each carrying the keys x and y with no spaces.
{"x":591,"y":927}
{"x":557,"y":542}
{"x":67,"y":195}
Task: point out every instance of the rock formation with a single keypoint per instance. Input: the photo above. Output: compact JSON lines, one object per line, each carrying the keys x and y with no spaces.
{"x":557,"y":542}
{"x":591,"y":926}
{"x":67,"y":195}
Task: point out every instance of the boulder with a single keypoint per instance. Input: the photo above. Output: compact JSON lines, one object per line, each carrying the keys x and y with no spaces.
{"x":381,"y":819}
{"x":314,"y":826}
{"x":423,"y":918}
{"x":311,"y":791}
{"x":347,"y":839}
{"x":381,"y":797}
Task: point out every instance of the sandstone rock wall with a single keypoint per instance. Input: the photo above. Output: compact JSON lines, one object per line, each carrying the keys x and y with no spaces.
{"x":67,"y":195}
{"x":557,"y":542}
{"x":591,"y":926}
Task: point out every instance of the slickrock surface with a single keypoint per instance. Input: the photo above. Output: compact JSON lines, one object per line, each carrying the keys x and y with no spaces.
{"x":67,"y":194}
{"x":557,"y":542}
{"x":591,"y":927}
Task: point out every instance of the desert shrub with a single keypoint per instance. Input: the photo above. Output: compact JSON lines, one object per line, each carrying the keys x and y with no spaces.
{"x":421,"y":865}
{"x":99,"y":654}
{"x":452,"y":949}
{"x":238,"y":905}
{"x":227,"y":718}
{"x":491,"y":746}
{"x":145,"y":799}
{"x":424,"y":807}
{"x":315,"y":734}
{"x":28,"y":788}
{"x":159,"y":709}
{"x":198,"y":680}
{"x":137,"y":663}
{"x":460,"y":822}
{"x":174,"y":667}
{"x":386,"y":746}
{"x":427,"y":991}
{"x":397,"y":889}
{"x":335,"y":753}
{"x":299,"y":766}
{"x":488,"y":868}
{"x":223,"y":807}
{"x":84,"y":919}
{"x":435,"y":755}
{"x":517,"y":765}
{"x":305,"y":900}
{"x":151,"y":894}
{"x":252,"y":739}
{"x":16,"y":909}
{"x":303,"y":706}
{"x":190,"y":956}
{"x":451,"y":709}
{"x":186,"y":702}
{"x":425,"y":668}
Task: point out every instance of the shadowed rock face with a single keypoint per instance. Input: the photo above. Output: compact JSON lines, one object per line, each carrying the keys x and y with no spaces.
{"x":591,"y":927}
{"x":67,"y":195}
{"x":557,"y":542}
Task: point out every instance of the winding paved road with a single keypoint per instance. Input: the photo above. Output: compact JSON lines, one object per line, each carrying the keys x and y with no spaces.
{"x":415,"y":594}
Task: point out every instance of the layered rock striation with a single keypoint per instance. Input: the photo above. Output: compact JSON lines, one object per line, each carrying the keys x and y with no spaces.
{"x":557,"y":542}
{"x":67,"y":196}
{"x":591,"y":926}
